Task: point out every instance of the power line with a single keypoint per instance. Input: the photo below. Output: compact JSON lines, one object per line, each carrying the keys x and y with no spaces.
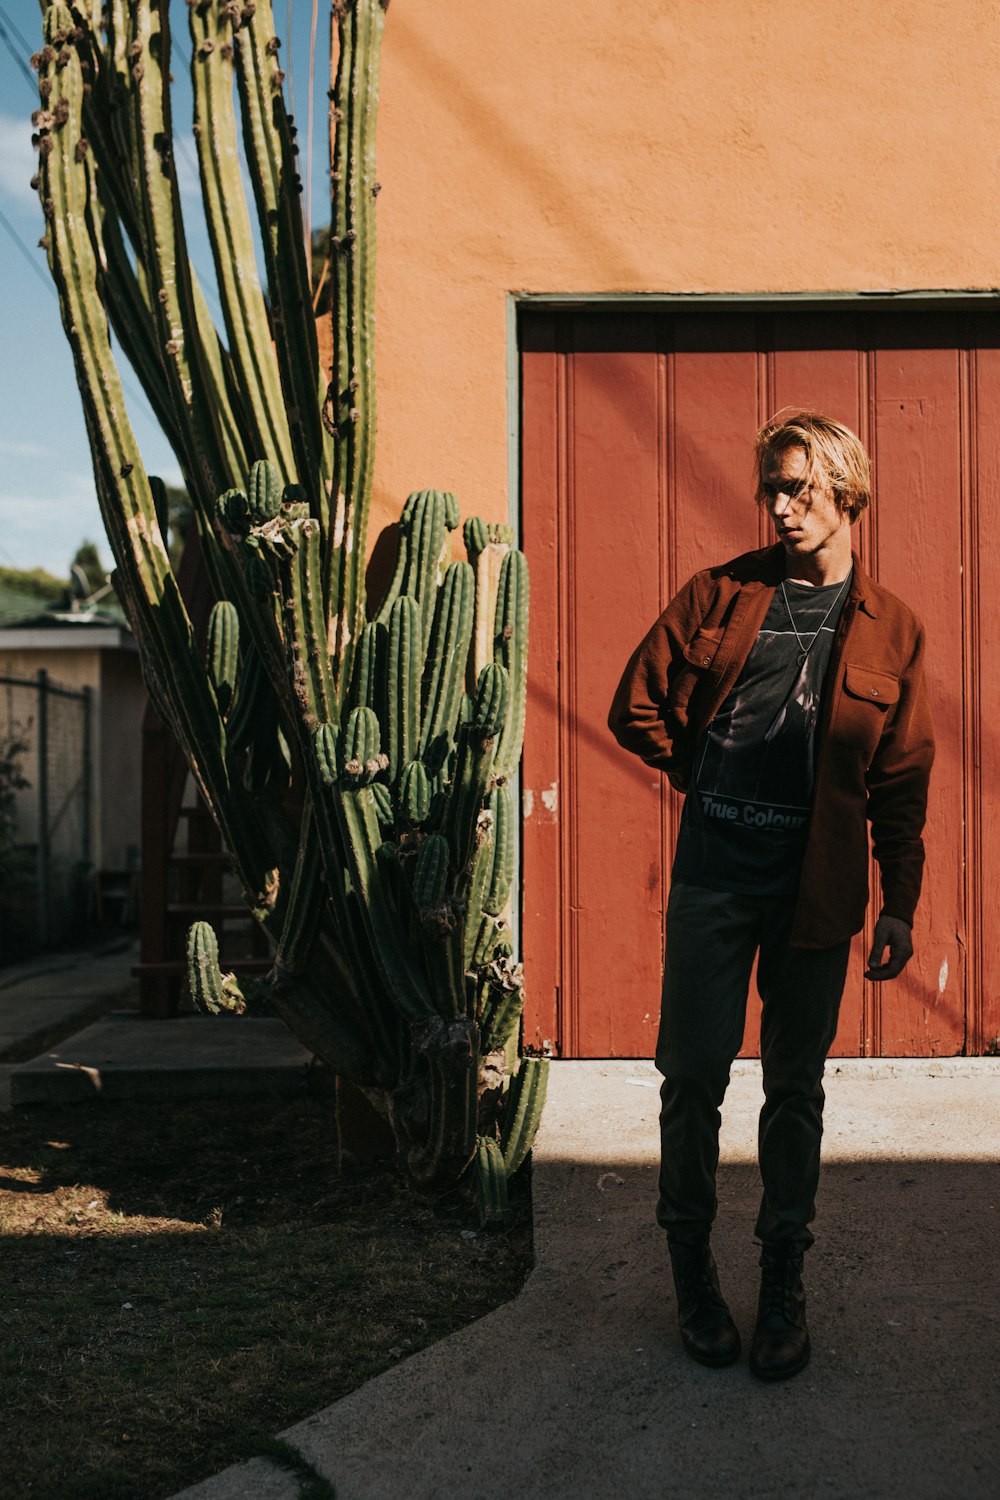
{"x":17,"y":56}
{"x":140,"y":397}
{"x":32,"y":262}
{"x":18,"y":34}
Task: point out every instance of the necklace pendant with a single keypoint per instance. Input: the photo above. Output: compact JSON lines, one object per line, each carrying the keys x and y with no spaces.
{"x":802,"y":656}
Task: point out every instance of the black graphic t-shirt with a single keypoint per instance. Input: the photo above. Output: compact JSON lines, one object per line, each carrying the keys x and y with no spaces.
{"x":746,"y":814}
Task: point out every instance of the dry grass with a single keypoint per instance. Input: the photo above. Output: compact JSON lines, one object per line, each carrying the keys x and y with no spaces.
{"x":179,"y":1282}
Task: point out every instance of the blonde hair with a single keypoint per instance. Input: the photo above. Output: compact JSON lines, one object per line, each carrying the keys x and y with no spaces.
{"x":831,"y":449}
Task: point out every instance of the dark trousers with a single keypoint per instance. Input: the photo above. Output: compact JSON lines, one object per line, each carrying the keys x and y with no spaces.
{"x":711,"y":941}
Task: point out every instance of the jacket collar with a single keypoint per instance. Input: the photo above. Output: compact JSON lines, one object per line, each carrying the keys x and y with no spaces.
{"x":863,"y":591}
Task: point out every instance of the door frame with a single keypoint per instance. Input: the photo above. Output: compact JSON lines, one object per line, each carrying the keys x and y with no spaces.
{"x":939,"y":299}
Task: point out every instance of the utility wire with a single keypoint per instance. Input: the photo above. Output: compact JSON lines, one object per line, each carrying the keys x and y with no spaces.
{"x":19,"y":35}
{"x":17,"y":56}
{"x":32,"y":262}
{"x":138,"y":396}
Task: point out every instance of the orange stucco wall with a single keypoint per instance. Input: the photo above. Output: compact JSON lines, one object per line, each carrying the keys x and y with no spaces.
{"x":587,"y":146}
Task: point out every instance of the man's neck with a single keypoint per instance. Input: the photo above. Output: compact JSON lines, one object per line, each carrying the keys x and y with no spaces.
{"x":828,"y":565}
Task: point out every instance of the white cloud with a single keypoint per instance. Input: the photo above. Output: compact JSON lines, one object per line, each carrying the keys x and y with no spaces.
{"x":11,"y":448}
{"x":18,"y":162}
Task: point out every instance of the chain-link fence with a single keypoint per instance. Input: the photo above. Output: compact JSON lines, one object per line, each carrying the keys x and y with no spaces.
{"x":45,"y":813}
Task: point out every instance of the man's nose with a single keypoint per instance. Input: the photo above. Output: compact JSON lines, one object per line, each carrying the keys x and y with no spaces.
{"x":780,"y":503}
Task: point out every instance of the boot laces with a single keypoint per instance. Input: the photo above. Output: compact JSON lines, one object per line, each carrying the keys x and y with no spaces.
{"x":778,"y":1286}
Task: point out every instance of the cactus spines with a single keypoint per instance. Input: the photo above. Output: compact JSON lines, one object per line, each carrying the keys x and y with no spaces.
{"x":475,"y":535}
{"x":361,"y":757}
{"x":382,"y":798}
{"x":525,"y":1100}
{"x":425,"y":551}
{"x":357,"y":771}
{"x":232,"y":512}
{"x":370,"y":668}
{"x":210,"y":989}
{"x":491,"y":701}
{"x":511,"y":651}
{"x":403,"y":684}
{"x":325,"y":747}
{"x":501,"y":871}
{"x":430,"y":877}
{"x":491,"y":1183}
{"x":223,"y":652}
{"x":502,"y":1002}
{"x":447,"y":650}
{"x":264,"y":492}
{"x":415,"y":793}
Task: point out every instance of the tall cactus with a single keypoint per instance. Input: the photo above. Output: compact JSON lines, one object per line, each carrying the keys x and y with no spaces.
{"x":363,"y":793}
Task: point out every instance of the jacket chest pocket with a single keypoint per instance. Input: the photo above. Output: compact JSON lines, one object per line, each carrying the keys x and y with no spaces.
{"x":700,"y":652}
{"x":865,"y":704}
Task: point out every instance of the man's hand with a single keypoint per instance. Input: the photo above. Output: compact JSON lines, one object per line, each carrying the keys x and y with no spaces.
{"x":892,"y":933}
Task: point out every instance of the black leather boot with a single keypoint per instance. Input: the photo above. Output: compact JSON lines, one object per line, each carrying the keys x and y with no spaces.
{"x":707,"y":1329}
{"x":781,"y":1339}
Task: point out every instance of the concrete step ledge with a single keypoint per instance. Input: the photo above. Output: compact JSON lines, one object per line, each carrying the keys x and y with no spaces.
{"x":126,"y":1057}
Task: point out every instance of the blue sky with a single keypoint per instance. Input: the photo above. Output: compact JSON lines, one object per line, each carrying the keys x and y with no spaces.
{"x":47,"y":501}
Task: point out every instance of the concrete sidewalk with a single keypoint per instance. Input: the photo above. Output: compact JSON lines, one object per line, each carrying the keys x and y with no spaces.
{"x":48,"y":997}
{"x":579,"y":1388}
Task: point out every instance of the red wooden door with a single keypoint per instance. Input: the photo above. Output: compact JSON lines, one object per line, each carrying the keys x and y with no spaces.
{"x":636,"y":471}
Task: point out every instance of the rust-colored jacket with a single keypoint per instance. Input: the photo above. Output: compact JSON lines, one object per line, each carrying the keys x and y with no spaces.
{"x":874,"y":743}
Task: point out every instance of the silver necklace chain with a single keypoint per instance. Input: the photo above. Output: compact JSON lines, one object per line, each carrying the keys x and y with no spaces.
{"x":804,"y":650}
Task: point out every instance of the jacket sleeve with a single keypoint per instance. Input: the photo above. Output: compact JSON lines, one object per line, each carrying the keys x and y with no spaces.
{"x":897,"y":782}
{"x":640,"y":719}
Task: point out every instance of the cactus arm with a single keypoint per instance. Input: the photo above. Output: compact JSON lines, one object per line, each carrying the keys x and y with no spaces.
{"x":439,"y":925}
{"x":405,"y":655}
{"x":482,"y":866}
{"x":304,"y":906}
{"x":488,"y":564}
{"x":345,"y":905}
{"x":502,"y":1005}
{"x":132,"y":321}
{"x":448,"y":649}
{"x":271,"y":158}
{"x":212,"y":460}
{"x":427,"y":543}
{"x":222,"y":653}
{"x":370,"y":670}
{"x":178,"y":681}
{"x":448,"y":1050}
{"x":501,"y":872}
{"x":359,"y":761}
{"x":211,"y":990}
{"x":414,"y":793}
{"x":525,"y":1101}
{"x":351,"y":401}
{"x":361,"y":841}
{"x":476,"y":749}
{"x":232,"y":241}
{"x":311,"y":675}
{"x":511,"y":651}
{"x":491,"y":1183}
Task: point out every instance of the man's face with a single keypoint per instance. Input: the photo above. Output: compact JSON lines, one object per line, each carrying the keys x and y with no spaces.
{"x":805,"y":513}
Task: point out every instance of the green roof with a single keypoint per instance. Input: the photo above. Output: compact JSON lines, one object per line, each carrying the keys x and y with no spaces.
{"x":18,"y":607}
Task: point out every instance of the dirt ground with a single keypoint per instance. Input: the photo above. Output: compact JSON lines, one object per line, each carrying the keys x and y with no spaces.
{"x":182,"y":1282}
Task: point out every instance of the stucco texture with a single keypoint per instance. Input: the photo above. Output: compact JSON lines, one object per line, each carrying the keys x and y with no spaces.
{"x":805,"y":145}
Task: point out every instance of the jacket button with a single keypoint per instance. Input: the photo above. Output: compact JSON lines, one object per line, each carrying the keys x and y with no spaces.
{"x":705,"y":660}
{"x":874,"y":692}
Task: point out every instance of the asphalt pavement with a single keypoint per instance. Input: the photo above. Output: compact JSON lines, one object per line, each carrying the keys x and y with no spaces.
{"x":579,"y":1386}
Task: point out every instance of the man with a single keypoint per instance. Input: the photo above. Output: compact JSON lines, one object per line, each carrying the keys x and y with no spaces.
{"x":784,"y":693}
